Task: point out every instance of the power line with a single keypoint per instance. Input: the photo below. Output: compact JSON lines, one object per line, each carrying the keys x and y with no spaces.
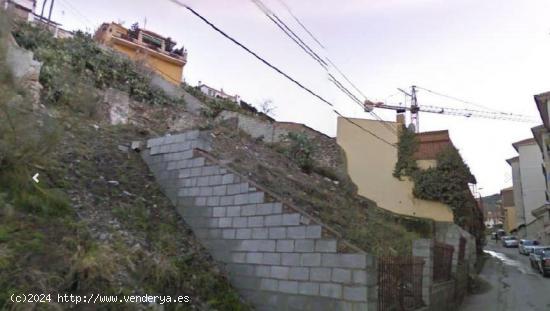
{"x":301,"y":24}
{"x":277,"y":70}
{"x":292,"y":35}
{"x":283,"y":27}
{"x":456,"y":99}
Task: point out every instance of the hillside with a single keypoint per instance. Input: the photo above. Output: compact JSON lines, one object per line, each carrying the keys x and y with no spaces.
{"x":97,"y":221}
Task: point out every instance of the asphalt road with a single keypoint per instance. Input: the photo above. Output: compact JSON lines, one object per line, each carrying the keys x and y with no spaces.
{"x":514,"y":284}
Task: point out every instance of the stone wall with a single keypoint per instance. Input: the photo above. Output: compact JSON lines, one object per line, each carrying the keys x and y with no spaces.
{"x":328,"y":153}
{"x":445,"y":295}
{"x":25,"y":69}
{"x":450,"y":233}
{"x":277,"y":256}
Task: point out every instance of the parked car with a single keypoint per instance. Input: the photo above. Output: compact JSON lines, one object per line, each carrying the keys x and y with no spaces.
{"x":509,"y":241}
{"x":534,"y":256}
{"x":544,"y":262}
{"x":524,"y":246}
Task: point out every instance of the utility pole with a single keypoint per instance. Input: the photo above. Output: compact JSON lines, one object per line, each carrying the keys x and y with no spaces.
{"x":50,"y":14}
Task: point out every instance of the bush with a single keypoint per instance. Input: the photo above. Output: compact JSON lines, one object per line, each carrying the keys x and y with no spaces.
{"x":300,"y":150}
{"x":71,"y":64}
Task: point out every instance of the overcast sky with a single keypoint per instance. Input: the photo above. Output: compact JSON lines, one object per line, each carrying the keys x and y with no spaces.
{"x":493,"y":52}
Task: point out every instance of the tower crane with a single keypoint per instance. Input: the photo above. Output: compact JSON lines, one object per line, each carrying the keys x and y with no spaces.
{"x":415,"y":109}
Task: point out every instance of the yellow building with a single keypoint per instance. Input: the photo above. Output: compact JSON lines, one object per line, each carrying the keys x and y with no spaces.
{"x":154,"y":50}
{"x":371,"y":163}
{"x":510,"y":213}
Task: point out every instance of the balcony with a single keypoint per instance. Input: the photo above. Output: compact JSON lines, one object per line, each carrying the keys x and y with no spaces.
{"x":128,"y":40}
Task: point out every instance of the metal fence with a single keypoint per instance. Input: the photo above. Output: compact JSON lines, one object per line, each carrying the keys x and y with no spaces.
{"x":400,"y":283}
{"x":443,"y":260}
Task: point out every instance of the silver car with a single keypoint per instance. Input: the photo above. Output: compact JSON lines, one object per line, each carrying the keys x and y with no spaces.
{"x":525,"y":246}
{"x":510,"y":241}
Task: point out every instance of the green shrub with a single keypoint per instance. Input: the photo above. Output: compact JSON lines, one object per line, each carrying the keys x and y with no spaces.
{"x":70,"y":64}
{"x":300,"y":150}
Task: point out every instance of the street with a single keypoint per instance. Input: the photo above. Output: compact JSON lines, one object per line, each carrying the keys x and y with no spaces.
{"x":514,"y":284}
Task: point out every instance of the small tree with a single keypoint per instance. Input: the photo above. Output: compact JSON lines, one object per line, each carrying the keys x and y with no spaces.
{"x":268,"y":108}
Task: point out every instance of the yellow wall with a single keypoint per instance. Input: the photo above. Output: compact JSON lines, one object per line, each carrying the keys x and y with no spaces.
{"x":371,"y":163}
{"x":169,"y":70}
{"x":510,"y":218}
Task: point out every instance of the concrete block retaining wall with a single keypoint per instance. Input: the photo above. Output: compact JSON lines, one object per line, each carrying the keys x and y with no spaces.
{"x":277,"y":256}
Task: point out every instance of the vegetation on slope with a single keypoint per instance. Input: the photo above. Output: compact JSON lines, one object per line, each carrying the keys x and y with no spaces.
{"x":447,"y":182}
{"x":96,"y":222}
{"x":335,"y":203}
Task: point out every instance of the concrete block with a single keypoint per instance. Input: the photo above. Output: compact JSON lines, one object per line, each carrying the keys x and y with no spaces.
{"x":214,"y":180}
{"x":244,"y":234}
{"x":255,"y":258}
{"x":256,"y":197}
{"x":266,"y":245}
{"x":308,"y":288}
{"x":240,"y":222}
{"x":272,"y":259}
{"x":269,"y":284}
{"x":341,"y":275}
{"x":304,"y":246}
{"x":238,"y":257}
{"x":227,"y":200}
{"x":241,"y":199}
{"x":205,"y":191}
{"x":313,"y":232}
{"x":290,"y":259}
{"x":200,"y":201}
{"x":233,"y":211}
{"x":359,"y":277}
{"x":280,"y":273}
{"x":264,"y":209}
{"x":298,"y":274}
{"x":357,"y":261}
{"x":203,"y":181}
{"x":330,"y":290}
{"x":241,"y":269}
{"x":192,"y":135}
{"x":236,"y":188}
{"x":273,"y":220}
{"x":213,"y":201}
{"x":228,"y":233}
{"x":210,"y":170}
{"x":249,"y":210}
{"x":290,"y":287}
{"x":225,"y":222}
{"x":358,"y":294}
{"x":277,"y":233}
{"x":260,"y":233}
{"x":296,"y":232}
{"x":228,"y":179}
{"x":219,"y":190}
{"x":196,"y":171}
{"x":219,"y":212}
{"x":285,"y":246}
{"x":311,"y":259}
{"x":325,"y":246}
{"x":256,"y":221}
{"x":291,"y":219}
{"x":263,"y":271}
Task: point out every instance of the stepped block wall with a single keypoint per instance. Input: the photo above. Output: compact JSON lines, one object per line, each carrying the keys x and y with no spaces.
{"x":276,"y":255}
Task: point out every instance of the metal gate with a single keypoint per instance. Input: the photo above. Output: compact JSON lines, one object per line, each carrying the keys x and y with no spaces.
{"x":400,"y":283}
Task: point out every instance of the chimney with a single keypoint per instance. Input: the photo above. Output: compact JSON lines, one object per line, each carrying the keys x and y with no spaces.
{"x":400,"y":118}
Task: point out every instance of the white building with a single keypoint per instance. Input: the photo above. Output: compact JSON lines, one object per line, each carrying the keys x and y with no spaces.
{"x":214,"y":93}
{"x":529,"y":182}
{"x":24,"y":9}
